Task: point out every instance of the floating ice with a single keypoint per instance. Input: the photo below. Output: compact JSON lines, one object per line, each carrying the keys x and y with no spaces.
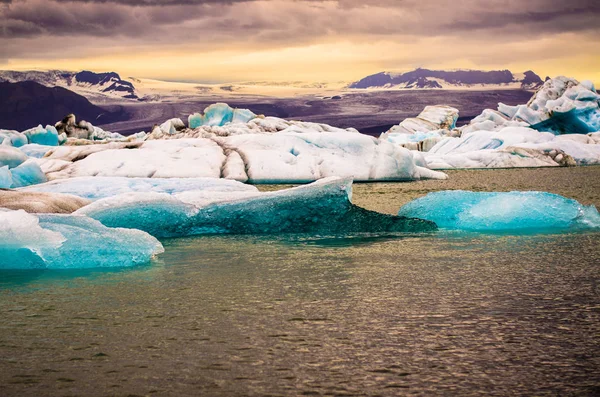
{"x":40,"y":202}
{"x":323,"y":206}
{"x":67,"y":242}
{"x":28,"y":173}
{"x":11,"y":156}
{"x":514,"y":211}
{"x":98,"y":187}
{"x":12,"y":138}
{"x":5,"y":177}
{"x":219,"y":114}
{"x":258,"y":158}
{"x":43,"y":136}
{"x":36,"y":150}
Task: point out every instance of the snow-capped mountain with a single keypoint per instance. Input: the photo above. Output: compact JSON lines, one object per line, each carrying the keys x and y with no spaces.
{"x":88,"y":84}
{"x":455,"y":79}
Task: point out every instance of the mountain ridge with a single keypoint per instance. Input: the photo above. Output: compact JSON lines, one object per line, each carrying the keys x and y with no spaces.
{"x":421,"y":78}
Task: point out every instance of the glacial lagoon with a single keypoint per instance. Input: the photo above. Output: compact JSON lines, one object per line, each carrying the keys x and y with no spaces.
{"x":432,"y":313}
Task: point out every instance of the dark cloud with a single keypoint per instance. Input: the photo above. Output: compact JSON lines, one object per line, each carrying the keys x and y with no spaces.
{"x":48,"y":25}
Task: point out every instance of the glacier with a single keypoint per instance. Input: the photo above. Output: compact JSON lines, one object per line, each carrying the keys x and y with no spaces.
{"x":46,"y":241}
{"x":502,"y":211}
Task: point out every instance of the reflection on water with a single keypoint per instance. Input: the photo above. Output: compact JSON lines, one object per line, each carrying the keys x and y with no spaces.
{"x":428,"y":314}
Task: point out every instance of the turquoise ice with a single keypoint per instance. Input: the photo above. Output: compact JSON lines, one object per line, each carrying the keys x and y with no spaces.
{"x":219,"y":114}
{"x":47,"y":241}
{"x":28,"y":173}
{"x":514,"y":211}
{"x":43,"y":136}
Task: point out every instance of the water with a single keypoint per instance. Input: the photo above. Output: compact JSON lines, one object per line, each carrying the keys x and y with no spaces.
{"x":431,"y":314}
{"x":393,"y":314}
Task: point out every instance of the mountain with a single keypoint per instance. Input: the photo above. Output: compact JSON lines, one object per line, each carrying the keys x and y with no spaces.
{"x":457,"y":79}
{"x":88,"y":84}
{"x":26,"y":104}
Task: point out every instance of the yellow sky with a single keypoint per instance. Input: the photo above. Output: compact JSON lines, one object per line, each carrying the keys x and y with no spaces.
{"x":346,"y":60}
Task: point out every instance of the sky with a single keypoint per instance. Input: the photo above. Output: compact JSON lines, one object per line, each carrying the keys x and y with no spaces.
{"x":299,"y":40}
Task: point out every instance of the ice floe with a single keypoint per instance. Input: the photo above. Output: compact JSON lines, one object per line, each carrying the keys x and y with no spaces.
{"x":529,"y":135}
{"x":46,"y":241}
{"x":493,"y":211}
{"x":323,"y":206}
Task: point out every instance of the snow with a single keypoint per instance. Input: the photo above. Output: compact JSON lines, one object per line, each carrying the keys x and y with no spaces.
{"x":514,"y":211}
{"x":68,"y":242}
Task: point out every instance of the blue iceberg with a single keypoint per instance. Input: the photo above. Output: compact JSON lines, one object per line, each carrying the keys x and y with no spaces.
{"x":514,"y":211}
{"x":12,"y":138}
{"x":219,"y":114}
{"x":321,"y":207}
{"x":28,"y":173}
{"x":47,"y":241}
{"x":5,"y":178}
{"x":35,"y":150}
{"x":43,"y":136}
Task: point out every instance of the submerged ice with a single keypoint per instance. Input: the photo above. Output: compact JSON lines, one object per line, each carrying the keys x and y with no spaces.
{"x":500,"y":211}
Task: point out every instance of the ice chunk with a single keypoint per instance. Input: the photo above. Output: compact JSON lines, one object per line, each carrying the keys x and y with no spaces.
{"x":305,"y":157}
{"x":28,"y":173}
{"x":219,"y":114}
{"x":171,"y":126}
{"x":36,"y":150}
{"x":95,"y":188}
{"x":323,"y":206}
{"x":67,"y":242}
{"x":12,"y":138}
{"x":39,"y":202}
{"x":430,"y":119}
{"x":5,"y":177}
{"x":514,"y":211}
{"x":183,"y":158}
{"x":43,"y":136}
{"x":11,"y":156}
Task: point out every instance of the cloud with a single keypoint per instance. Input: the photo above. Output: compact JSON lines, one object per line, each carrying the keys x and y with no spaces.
{"x":51,"y":29}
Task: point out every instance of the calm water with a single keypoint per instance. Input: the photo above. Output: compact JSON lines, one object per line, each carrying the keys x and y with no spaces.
{"x":429,"y":314}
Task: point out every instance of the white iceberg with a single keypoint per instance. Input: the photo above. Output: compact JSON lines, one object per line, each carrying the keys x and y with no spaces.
{"x":514,"y":211}
{"x":12,"y":138}
{"x":94,"y":188}
{"x":11,"y":156}
{"x":68,"y":242}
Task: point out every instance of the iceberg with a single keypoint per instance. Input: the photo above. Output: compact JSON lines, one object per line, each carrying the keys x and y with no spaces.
{"x":43,"y":136}
{"x":284,"y":157}
{"x":513,"y":211}
{"x":11,"y":156}
{"x":36,"y":150}
{"x":12,"y":138}
{"x":323,"y":206}
{"x":28,"y":173}
{"x":5,"y":177}
{"x":219,"y":114}
{"x":69,"y":242}
{"x":41,"y":202}
{"x":94,"y":188}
